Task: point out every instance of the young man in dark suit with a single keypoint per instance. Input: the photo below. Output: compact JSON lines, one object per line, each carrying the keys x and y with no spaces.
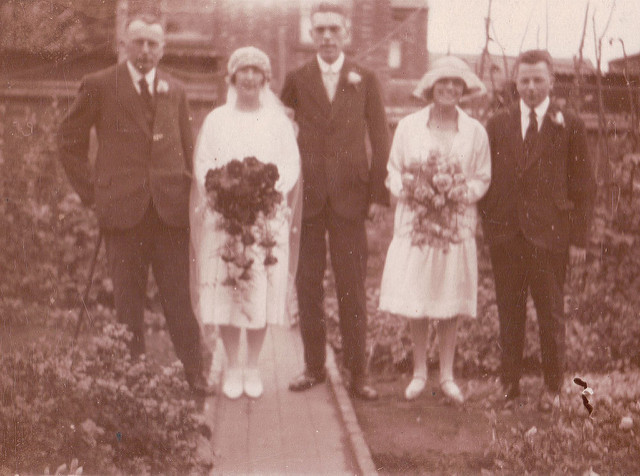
{"x":336,"y":102}
{"x":535,"y":218}
{"x":139,"y":185}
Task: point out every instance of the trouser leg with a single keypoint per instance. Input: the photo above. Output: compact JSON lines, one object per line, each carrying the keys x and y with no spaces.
{"x":348,"y":248}
{"x":508,"y":261}
{"x":128,"y":261}
{"x":309,"y":284}
{"x":170,"y":264}
{"x":547,"y":282}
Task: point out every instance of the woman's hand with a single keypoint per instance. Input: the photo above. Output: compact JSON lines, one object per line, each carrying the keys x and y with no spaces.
{"x":406,"y":178}
{"x":459,"y":193}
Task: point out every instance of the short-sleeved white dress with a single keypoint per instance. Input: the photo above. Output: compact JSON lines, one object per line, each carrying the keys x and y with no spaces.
{"x":427,"y":281}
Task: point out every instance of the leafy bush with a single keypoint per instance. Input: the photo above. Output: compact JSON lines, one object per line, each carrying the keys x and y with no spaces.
{"x":49,"y":235}
{"x":96,"y":405}
{"x":114,"y":415}
{"x":572,"y":442}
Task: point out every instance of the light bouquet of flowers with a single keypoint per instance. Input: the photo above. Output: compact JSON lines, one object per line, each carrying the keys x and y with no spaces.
{"x":244,"y":194}
{"x":435,"y":190}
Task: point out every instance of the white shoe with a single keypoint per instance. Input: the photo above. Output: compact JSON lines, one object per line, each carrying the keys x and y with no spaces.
{"x":452,"y":391}
{"x":232,"y":386}
{"x":253,"y":383}
{"x":415,"y":387}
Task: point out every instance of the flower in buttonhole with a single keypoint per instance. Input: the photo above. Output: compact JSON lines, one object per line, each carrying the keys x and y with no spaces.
{"x":557,"y":118}
{"x":354,"y":78}
{"x":163,"y":87}
{"x":555,"y":114}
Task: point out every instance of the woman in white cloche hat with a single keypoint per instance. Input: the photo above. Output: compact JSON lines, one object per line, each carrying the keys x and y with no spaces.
{"x":439,"y":167}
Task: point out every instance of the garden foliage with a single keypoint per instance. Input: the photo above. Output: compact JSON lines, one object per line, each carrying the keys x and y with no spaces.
{"x":114,"y":416}
{"x":94,"y":404}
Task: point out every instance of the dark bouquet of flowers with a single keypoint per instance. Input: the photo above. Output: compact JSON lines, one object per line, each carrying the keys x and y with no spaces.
{"x":244,"y":194}
{"x":435,"y":191}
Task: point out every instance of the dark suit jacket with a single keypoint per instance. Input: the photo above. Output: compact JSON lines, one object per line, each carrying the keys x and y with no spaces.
{"x":332,"y":139}
{"x":136,"y":161}
{"x":549,"y":197}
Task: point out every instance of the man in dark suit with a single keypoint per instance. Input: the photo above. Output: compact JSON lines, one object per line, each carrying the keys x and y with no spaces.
{"x":536,"y":215}
{"x":336,"y":102}
{"x":139,"y":185}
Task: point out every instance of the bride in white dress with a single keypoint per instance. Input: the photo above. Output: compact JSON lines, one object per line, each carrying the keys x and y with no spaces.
{"x":251,"y":123}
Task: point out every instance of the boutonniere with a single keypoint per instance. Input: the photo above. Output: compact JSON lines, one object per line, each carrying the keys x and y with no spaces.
{"x":163,"y":87}
{"x":556,"y":117}
{"x":354,"y":78}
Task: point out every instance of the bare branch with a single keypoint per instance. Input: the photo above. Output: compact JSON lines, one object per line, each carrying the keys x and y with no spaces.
{"x":485,"y":50}
{"x":606,"y":27}
{"x":580,"y":62}
{"x":526,"y":29}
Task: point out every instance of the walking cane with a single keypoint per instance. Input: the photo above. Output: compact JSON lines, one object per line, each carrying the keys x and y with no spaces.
{"x":85,"y":295}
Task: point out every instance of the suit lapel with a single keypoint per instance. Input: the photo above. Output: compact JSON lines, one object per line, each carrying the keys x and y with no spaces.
{"x":161,"y":102}
{"x":515,"y":132}
{"x":341,"y":99}
{"x":544,"y":139}
{"x":130,"y":100}
{"x":315,"y":86}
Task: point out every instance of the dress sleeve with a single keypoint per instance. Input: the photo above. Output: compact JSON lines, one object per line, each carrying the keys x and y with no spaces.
{"x":396,"y":161}
{"x":203,"y":160}
{"x":204,"y":151}
{"x":479,"y":176}
{"x":289,"y":156}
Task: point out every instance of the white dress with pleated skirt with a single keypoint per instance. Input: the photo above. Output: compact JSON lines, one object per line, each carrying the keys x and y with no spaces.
{"x":227,"y":134}
{"x":430,"y":281}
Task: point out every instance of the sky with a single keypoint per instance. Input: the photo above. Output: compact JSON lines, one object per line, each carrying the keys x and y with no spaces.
{"x":458,"y":26}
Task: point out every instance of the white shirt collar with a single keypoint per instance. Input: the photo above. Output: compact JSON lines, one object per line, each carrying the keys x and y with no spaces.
{"x":334,"y":67}
{"x":136,"y":76}
{"x":540,"y":109}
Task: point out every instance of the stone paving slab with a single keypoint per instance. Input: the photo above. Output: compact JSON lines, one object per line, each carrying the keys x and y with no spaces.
{"x":283,"y":431}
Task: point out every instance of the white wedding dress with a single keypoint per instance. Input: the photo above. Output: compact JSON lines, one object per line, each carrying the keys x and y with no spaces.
{"x":227,"y":134}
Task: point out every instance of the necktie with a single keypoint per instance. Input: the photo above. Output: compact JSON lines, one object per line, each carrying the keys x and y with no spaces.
{"x":330,"y":80}
{"x":144,"y":93}
{"x":532,"y":132}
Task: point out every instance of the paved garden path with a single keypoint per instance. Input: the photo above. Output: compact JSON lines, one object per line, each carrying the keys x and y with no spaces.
{"x":285,"y":432}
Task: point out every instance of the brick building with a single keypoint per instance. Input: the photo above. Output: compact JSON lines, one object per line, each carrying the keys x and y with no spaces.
{"x":388,"y":36}
{"x":629,"y":65}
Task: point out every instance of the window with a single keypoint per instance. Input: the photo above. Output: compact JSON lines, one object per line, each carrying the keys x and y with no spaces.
{"x":395,"y":54}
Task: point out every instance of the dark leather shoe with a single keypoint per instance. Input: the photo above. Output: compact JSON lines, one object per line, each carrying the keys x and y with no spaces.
{"x":306,"y":380}
{"x":363,"y":391}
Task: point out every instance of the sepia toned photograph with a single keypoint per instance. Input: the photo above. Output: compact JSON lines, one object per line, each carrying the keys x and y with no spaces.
{"x":319,"y":237}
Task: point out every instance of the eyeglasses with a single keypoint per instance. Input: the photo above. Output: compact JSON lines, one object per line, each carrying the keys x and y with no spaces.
{"x":333,"y":29}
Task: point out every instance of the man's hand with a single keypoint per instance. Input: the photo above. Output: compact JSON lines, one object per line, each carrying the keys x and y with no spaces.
{"x":377,"y":212}
{"x":577,"y":256}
